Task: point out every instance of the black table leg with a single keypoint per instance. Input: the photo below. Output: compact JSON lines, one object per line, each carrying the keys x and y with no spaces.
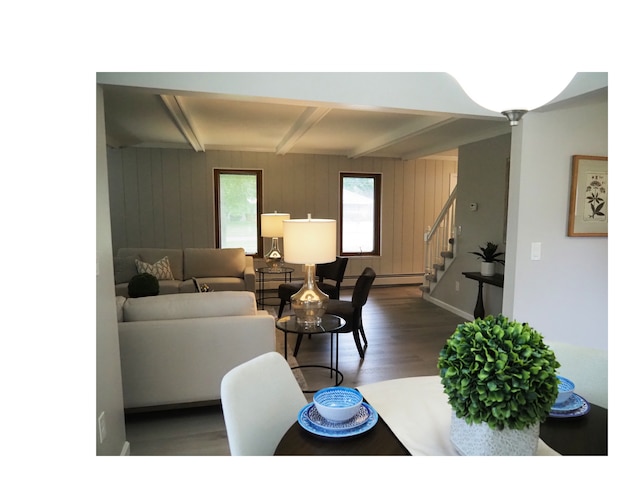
{"x":337,"y":354}
{"x":479,"y":310}
{"x":285,"y":345}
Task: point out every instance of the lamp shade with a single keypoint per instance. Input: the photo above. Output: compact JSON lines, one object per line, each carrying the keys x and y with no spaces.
{"x":309,"y":241}
{"x":513,"y":90}
{"x":271,"y":224}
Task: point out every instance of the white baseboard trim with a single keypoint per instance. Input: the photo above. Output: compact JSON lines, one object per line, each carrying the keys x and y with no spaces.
{"x":126,"y":449}
{"x":446,"y":306}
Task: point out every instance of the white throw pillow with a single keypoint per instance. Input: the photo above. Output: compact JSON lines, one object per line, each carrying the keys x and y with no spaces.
{"x":161,"y":269}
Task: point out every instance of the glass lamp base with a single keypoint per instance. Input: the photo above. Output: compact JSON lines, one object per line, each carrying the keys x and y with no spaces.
{"x":273,"y":258}
{"x":309,"y":303}
{"x":273,"y":263}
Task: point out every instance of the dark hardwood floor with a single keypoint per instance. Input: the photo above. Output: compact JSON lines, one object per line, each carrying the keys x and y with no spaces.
{"x":405,"y":335}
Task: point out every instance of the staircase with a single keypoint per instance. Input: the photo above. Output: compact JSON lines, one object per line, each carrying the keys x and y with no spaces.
{"x":440,"y":245}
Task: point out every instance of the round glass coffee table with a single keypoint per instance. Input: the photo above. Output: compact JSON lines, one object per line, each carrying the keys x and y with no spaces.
{"x":329,"y":324}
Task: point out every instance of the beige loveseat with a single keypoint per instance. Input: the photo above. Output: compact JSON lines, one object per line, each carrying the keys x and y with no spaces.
{"x":220,"y":268}
{"x":175,"y":348}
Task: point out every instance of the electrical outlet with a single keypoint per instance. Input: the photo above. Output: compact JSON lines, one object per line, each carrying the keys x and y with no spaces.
{"x":457,"y":286}
{"x":102,"y":427}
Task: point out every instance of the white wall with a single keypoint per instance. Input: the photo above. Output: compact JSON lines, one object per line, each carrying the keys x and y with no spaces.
{"x":482,"y":178}
{"x":565,"y":294}
{"x":108,"y":374}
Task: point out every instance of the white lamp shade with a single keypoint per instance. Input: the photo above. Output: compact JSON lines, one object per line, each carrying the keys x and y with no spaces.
{"x":513,"y":90}
{"x":309,"y":241}
{"x":271,"y":224}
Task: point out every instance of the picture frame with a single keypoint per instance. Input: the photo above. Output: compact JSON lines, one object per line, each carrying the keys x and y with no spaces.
{"x":589,"y":203}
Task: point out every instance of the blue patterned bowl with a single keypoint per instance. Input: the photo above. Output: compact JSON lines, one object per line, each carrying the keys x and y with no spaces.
{"x":337,"y":404}
{"x":565,"y":389}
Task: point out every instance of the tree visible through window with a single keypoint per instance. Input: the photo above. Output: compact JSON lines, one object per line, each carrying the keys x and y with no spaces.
{"x":360,"y":213}
{"x":238,"y":195}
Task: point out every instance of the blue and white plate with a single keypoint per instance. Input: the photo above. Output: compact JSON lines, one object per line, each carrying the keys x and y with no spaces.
{"x":576,"y":406}
{"x":574,"y":402}
{"x":319,"y":421}
{"x":313,"y":422}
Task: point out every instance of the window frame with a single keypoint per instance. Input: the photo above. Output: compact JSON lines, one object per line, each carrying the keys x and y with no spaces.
{"x":377,"y":209}
{"x":257,"y":173}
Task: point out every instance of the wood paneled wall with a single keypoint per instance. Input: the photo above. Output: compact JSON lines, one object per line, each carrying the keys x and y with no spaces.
{"x":164,"y":198}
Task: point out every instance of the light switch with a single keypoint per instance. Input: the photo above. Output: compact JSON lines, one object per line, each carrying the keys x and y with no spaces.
{"x":536,"y":251}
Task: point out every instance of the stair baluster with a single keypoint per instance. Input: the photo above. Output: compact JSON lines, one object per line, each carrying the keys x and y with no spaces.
{"x":440,"y":244}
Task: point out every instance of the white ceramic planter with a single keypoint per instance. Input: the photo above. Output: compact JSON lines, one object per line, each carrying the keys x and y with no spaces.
{"x":487,"y":269}
{"x":479,"y":439}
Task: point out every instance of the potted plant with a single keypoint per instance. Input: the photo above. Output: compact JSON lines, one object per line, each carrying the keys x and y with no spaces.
{"x":489,"y":256}
{"x":501,"y":381}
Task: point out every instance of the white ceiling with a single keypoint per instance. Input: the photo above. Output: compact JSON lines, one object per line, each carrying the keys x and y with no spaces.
{"x":146,"y":117}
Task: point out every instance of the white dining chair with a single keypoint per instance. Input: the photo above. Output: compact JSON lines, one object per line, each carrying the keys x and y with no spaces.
{"x":261,"y":399}
{"x":587,"y":367}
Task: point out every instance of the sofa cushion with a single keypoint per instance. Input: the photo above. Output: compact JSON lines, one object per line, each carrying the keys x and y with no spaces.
{"x":124,"y":268}
{"x":214,"y":262}
{"x":224,"y":283}
{"x":152,"y":255}
{"x":161,"y":269}
{"x":189,"y":305}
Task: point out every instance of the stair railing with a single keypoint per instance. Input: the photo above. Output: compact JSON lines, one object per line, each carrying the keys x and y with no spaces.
{"x":440,"y":238}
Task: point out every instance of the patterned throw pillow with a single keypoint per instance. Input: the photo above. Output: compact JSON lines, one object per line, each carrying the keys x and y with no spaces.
{"x":161,"y":269}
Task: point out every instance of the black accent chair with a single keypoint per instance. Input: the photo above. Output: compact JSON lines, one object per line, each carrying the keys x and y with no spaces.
{"x":351,"y":311}
{"x":333,"y":271}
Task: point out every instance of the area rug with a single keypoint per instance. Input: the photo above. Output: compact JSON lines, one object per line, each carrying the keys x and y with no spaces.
{"x":290,"y":358}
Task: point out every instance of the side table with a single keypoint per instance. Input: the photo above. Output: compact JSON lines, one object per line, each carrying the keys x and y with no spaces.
{"x":262,"y":271}
{"x":329,"y":324}
{"x":496,"y":280}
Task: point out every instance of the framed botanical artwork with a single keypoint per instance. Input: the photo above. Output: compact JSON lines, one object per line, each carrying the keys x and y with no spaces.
{"x":589,"y":205}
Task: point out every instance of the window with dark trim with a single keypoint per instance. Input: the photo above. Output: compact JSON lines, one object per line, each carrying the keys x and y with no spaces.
{"x":238,"y":205}
{"x":360,"y":195}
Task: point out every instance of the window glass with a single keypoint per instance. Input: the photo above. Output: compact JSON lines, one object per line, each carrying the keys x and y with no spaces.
{"x":360,"y":214}
{"x":238,"y":208}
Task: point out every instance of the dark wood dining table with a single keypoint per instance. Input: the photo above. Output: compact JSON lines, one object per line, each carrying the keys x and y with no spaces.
{"x":584,"y":435}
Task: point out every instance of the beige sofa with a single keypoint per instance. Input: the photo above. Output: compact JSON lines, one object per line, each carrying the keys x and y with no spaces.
{"x":220,"y":268}
{"x":175,"y":348}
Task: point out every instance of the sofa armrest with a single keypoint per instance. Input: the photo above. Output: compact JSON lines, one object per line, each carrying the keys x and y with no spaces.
{"x":249,"y":275}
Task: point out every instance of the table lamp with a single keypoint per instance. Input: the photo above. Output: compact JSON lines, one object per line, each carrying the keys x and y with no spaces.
{"x":271,"y":227}
{"x":308,"y":242}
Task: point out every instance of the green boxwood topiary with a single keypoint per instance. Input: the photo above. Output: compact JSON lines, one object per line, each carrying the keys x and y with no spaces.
{"x":143,"y":285}
{"x":500,"y":372}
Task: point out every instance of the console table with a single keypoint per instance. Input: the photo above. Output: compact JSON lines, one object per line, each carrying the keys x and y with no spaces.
{"x":496,"y":280}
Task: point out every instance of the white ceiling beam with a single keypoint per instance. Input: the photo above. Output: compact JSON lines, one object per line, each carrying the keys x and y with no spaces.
{"x":491,"y":132}
{"x":310,"y":117}
{"x":183,"y":120}
{"x":417,"y":127}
